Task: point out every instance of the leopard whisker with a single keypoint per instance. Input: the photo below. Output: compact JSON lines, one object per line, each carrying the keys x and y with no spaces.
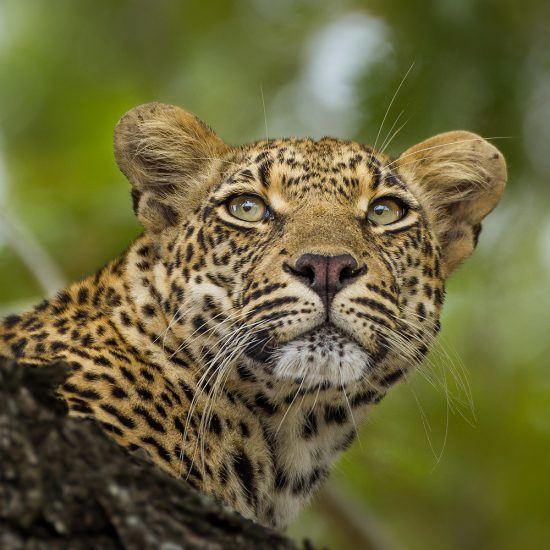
{"x":350,"y":411}
{"x":391,"y":103}
{"x":457,"y":369}
{"x":234,"y":340}
{"x":218,"y":374}
{"x":290,"y":406}
{"x":388,"y":140}
{"x":459,"y":375}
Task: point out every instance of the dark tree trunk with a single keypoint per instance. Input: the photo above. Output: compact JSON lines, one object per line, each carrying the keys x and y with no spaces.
{"x":65,"y":484}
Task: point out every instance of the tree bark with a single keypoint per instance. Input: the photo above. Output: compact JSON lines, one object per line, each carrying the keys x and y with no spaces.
{"x":65,"y":484}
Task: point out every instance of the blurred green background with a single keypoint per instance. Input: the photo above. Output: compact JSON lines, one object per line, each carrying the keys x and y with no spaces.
{"x":458,"y":456}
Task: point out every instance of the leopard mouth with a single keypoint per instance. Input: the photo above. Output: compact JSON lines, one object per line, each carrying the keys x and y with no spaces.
{"x":324,"y":355}
{"x":263,"y":348}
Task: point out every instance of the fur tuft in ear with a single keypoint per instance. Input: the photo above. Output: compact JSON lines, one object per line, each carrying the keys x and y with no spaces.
{"x":460,"y":178}
{"x":167,"y":155}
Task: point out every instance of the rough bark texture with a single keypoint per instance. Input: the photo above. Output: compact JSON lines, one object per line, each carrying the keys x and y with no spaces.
{"x":64,"y":484}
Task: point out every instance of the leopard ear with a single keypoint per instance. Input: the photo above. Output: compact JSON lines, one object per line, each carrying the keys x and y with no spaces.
{"x":460,"y":177}
{"x":166,"y":154}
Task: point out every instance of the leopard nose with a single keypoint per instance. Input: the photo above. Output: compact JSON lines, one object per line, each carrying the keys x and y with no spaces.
{"x":327,"y":275}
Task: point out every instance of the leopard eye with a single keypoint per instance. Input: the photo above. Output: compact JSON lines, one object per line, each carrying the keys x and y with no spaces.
{"x":384,"y":211}
{"x":248,"y":208}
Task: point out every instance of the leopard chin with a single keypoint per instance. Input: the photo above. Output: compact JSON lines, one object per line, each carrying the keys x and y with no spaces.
{"x":322,"y":357}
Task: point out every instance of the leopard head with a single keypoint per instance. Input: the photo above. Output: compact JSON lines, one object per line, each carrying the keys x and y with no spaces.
{"x":318,"y":263}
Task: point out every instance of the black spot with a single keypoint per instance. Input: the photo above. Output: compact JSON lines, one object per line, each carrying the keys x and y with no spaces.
{"x":40,"y":348}
{"x":179,"y":425}
{"x":122,"y":418}
{"x":11,"y":320}
{"x":85,"y":394}
{"x":148,"y":310}
{"x":82,"y":408}
{"x":215,"y":425}
{"x":118,"y":393}
{"x":113,"y":298}
{"x":336,"y":415}
{"x":79,"y":318}
{"x":42,"y":306}
{"x":147,"y":375}
{"x":102,"y":361}
{"x":374,"y":304}
{"x":144,"y":394}
{"x":127,"y":374}
{"x":160,"y":409}
{"x":263,"y":172}
{"x":310,"y":427}
{"x":143,"y":250}
{"x":61,"y":322}
{"x":243,"y":468}
{"x":363,"y":398}
{"x":189,"y":253}
{"x":263,"y":402}
{"x":18,"y":347}
{"x":112,"y":428}
{"x":244,"y":373}
{"x":258,"y":348}
{"x":64,"y":297}
{"x":243,"y":427}
{"x":151,"y":421}
{"x":161,"y":451}
{"x":29,"y":322}
{"x":246,"y":174}
{"x":199,"y":324}
{"x":126,"y":321}
{"x":305,"y":484}
{"x":392,"y":377}
{"x":164,"y":396}
{"x":186,"y":390}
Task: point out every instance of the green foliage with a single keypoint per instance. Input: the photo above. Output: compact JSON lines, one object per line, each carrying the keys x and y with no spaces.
{"x":68,"y":73}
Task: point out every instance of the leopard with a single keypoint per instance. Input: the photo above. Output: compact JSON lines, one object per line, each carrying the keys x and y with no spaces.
{"x":277,"y":292}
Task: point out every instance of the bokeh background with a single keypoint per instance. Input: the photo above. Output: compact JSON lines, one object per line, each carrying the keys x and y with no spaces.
{"x":458,"y":456}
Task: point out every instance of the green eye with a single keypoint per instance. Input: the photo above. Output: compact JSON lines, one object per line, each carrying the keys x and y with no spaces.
{"x":248,"y":208}
{"x":385,"y":211}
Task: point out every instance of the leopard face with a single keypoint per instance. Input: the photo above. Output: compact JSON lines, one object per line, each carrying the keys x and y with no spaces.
{"x":321,"y":292}
{"x":305,"y":264}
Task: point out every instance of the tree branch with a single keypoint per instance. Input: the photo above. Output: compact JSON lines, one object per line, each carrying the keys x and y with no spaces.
{"x":65,"y":484}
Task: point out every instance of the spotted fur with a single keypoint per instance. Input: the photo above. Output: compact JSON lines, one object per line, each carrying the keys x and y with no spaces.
{"x":202,"y":346}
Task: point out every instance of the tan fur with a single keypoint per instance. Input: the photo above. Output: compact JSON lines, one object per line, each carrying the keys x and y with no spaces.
{"x":204,"y":345}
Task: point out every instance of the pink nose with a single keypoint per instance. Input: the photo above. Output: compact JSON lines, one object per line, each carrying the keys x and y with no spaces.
{"x":327,"y":275}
